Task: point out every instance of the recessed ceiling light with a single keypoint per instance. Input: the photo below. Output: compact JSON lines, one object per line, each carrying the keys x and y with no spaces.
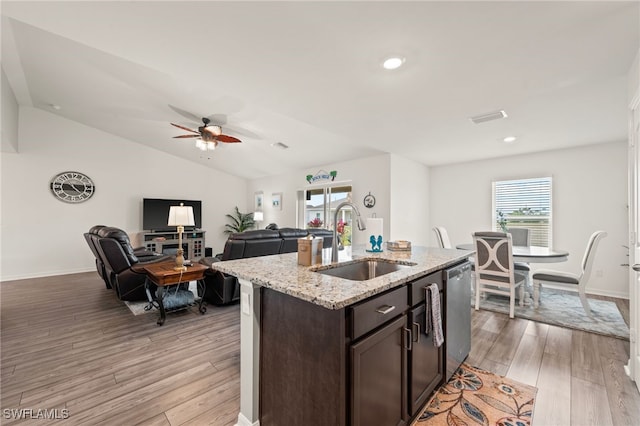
{"x":509,"y":139}
{"x":393,"y":63}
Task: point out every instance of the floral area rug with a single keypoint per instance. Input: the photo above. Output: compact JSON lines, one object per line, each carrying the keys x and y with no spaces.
{"x":477,"y":397}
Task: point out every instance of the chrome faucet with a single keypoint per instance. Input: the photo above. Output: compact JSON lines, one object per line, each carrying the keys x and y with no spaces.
{"x":361,"y":226}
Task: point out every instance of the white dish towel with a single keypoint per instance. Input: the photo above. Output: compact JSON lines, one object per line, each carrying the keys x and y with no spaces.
{"x":434,"y":321}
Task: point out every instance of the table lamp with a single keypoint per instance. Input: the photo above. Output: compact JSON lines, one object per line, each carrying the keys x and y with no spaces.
{"x":179,"y":216}
{"x":258,"y":217}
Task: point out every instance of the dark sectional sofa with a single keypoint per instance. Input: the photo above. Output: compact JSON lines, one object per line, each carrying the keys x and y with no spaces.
{"x":223,"y":289}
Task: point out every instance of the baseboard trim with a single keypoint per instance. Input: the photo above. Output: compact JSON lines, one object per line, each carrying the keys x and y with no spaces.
{"x":243,"y":421}
{"x":45,"y":274}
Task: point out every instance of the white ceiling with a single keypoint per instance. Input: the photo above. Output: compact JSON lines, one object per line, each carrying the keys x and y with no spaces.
{"x":308,"y":74}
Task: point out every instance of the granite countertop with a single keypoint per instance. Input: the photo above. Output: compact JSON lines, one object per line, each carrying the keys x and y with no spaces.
{"x":282,"y":273}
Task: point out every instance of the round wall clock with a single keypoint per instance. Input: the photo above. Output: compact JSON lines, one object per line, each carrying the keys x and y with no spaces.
{"x":72,"y":187}
{"x":369,"y":201}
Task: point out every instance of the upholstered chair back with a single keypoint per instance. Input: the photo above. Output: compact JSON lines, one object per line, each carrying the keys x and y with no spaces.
{"x":122,"y":238}
{"x":290,"y":238}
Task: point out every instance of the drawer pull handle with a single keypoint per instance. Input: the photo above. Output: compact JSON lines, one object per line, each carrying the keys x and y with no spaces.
{"x":385,"y":309}
{"x":417,"y":332}
{"x":408,"y":343}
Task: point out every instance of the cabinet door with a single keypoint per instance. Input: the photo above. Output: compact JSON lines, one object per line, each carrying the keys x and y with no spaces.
{"x":426,"y":362}
{"x":379,"y":376}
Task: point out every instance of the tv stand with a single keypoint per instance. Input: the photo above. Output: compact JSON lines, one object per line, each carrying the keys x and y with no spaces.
{"x":166,"y":242}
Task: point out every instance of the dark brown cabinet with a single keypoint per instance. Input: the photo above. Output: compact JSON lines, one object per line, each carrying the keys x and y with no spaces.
{"x":379,"y":377}
{"x":425,"y":361}
{"x":372,"y":363}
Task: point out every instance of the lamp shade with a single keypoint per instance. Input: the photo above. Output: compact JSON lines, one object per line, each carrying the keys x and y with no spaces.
{"x":258,"y":216}
{"x":181,"y":216}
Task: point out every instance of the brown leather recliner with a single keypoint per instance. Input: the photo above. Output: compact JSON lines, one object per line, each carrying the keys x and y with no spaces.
{"x":122,"y":266}
{"x":92,"y":240}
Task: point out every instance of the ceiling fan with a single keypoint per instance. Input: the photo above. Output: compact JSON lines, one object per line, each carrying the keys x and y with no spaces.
{"x":208,"y":135}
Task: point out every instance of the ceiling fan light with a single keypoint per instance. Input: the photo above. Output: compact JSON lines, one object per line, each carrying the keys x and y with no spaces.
{"x":213,"y":130}
{"x":211,"y":145}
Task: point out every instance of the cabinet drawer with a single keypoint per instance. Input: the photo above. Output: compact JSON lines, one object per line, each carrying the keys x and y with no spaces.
{"x":417,"y":286}
{"x":376,"y":311}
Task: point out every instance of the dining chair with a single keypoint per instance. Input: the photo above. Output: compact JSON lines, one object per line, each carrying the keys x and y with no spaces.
{"x":442,"y":237}
{"x":522,"y":237}
{"x":570,"y":280}
{"x":494,"y":270}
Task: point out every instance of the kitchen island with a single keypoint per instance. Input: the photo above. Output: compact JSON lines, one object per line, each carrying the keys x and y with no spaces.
{"x":314,"y":347}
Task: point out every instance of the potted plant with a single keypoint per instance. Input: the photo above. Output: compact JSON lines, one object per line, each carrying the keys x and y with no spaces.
{"x":501,"y":220}
{"x":315,"y":223}
{"x":240,"y":222}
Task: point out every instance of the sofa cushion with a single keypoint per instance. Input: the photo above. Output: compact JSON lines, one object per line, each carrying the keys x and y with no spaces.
{"x":290,"y":239}
{"x":233,"y":249}
{"x":255,"y":234}
{"x":262,"y":247}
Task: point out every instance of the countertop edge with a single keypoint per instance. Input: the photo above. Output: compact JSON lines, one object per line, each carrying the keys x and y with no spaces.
{"x":281,"y":273}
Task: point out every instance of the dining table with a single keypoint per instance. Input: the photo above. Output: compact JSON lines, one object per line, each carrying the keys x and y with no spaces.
{"x":530,"y":254}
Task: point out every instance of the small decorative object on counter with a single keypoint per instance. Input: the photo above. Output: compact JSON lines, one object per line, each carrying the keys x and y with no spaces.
{"x":310,"y":250}
{"x":400,"y":245}
{"x":375,"y":226}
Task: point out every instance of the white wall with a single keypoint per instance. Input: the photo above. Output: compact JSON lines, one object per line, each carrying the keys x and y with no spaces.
{"x":42,"y":236}
{"x":589,"y":194}
{"x":9,"y":124}
{"x":409,"y":201}
{"x":369,"y":174}
{"x":634,"y":78}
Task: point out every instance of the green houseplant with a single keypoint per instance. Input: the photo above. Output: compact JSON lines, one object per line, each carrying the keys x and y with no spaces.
{"x":240,"y":222}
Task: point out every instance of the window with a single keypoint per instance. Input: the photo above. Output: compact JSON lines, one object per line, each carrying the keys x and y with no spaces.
{"x":318,"y":208}
{"x":524,"y":203}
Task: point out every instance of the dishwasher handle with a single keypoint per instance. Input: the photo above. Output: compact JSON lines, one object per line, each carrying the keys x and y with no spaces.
{"x":457,"y":271}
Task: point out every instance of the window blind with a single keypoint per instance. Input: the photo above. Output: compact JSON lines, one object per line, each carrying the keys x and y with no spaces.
{"x":524,"y":203}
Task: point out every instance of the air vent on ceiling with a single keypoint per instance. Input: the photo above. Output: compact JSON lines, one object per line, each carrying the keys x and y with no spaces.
{"x":279,"y":145}
{"x":489,"y":117}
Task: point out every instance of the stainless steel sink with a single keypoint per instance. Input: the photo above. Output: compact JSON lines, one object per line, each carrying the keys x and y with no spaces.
{"x":364,"y":269}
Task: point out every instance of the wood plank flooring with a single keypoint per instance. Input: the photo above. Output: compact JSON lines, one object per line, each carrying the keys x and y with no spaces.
{"x":68,"y":343}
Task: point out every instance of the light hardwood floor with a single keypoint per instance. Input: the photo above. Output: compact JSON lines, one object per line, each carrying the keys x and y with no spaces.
{"x":68,"y":343}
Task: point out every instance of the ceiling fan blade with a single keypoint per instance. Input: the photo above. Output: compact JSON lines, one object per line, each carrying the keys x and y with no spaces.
{"x":186,"y":136}
{"x":227,"y":139}
{"x":218,"y":119}
{"x":185,"y":128}
{"x":242,"y":132}
{"x":186,"y":114}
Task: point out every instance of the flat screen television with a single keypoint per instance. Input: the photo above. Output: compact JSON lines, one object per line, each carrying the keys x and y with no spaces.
{"x":155,"y":213}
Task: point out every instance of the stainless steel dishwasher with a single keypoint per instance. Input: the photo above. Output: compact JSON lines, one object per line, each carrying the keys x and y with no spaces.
{"x":458,"y":316}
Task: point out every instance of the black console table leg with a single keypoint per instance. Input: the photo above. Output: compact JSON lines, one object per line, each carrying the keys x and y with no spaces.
{"x":202,"y":308}
{"x":160,"y":297}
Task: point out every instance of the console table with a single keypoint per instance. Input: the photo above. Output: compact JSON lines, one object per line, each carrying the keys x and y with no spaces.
{"x":163,"y":275}
{"x":167,"y":243}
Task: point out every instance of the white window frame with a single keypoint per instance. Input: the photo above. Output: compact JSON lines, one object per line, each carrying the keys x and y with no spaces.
{"x":525,"y":196}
